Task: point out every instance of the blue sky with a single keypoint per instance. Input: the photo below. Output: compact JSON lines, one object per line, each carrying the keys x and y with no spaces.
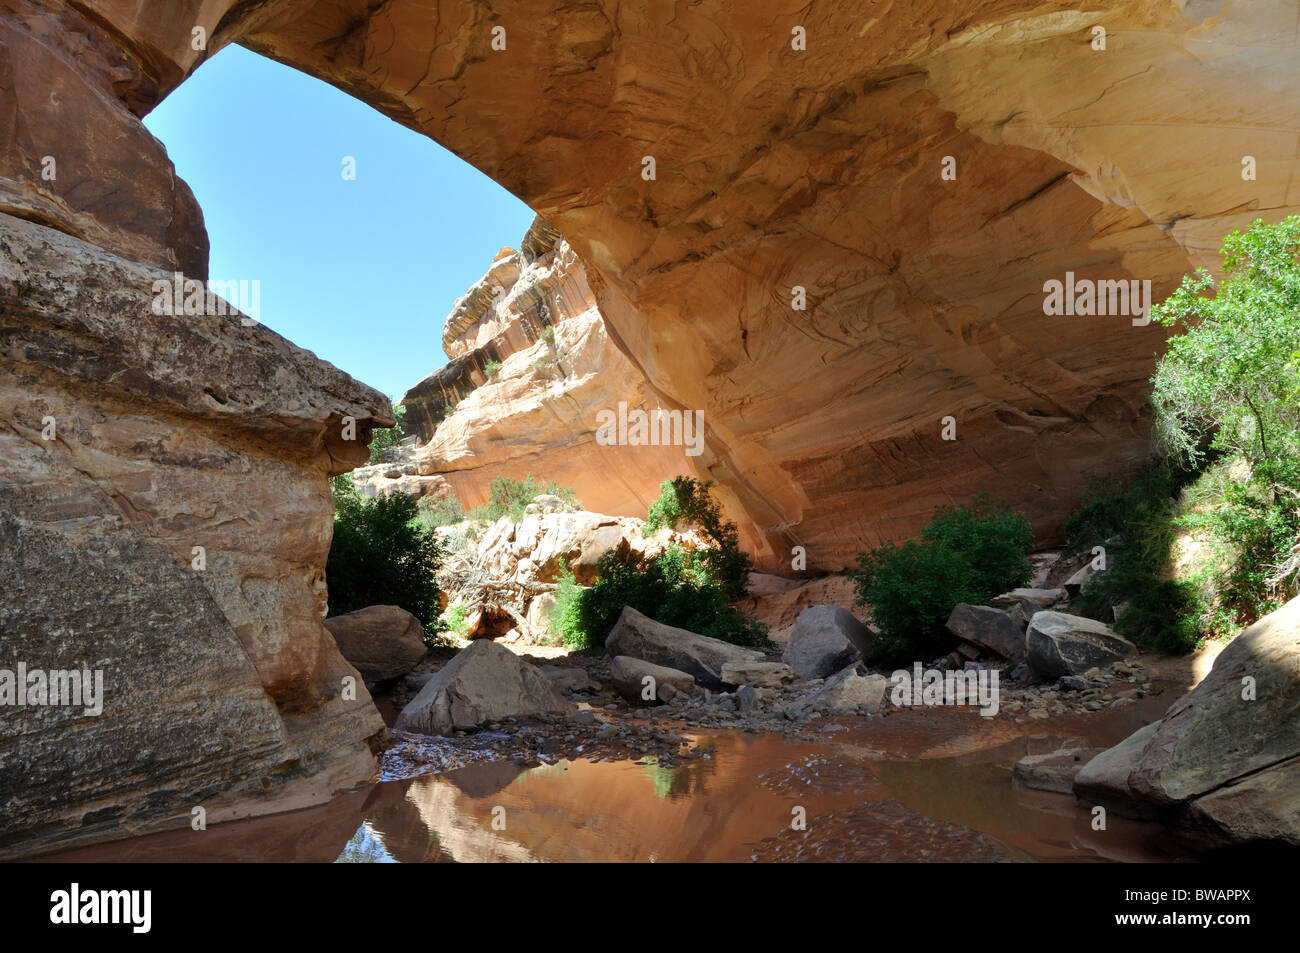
{"x":362,"y":272}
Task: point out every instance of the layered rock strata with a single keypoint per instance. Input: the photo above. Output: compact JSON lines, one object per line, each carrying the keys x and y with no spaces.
{"x":164,"y":520}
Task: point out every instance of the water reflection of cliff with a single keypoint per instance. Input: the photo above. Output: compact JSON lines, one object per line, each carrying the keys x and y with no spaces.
{"x":707,"y":809}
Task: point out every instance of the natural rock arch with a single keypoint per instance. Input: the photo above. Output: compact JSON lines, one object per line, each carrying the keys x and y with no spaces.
{"x":775,"y":168}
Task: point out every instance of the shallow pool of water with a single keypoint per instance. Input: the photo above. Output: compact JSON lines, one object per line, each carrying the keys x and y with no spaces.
{"x":756,"y":797}
{"x":929,"y":784}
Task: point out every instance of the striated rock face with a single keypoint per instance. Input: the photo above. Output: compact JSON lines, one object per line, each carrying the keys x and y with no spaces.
{"x":822,"y":168}
{"x":534,"y":313}
{"x":73,"y":153}
{"x":127,"y":439}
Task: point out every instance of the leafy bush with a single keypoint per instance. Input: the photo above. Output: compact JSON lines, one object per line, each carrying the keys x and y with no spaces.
{"x":510,"y":497}
{"x":965,"y":554}
{"x":381,"y":555}
{"x":565,"y":622}
{"x":455,"y":618}
{"x":440,"y":511}
{"x":492,"y":368}
{"x":670,"y":588}
{"x":688,"y":588}
{"x":385,"y":439}
{"x":685,"y":502}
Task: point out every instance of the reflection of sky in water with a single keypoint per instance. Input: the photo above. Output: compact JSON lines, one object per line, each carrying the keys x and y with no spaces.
{"x":365,"y":847}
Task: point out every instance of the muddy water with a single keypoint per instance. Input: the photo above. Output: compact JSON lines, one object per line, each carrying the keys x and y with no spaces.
{"x":919,"y":791}
{"x":918,"y":785}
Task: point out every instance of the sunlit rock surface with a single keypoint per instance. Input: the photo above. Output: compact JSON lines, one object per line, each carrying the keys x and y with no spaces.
{"x":821,"y":168}
{"x":165,"y":518}
{"x":535,"y":314}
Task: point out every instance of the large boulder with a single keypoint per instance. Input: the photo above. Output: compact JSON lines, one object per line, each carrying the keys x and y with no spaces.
{"x":628,"y":676}
{"x":382,"y":642}
{"x":701,"y":657}
{"x":988,"y":628}
{"x":484,"y":682}
{"x":1223,"y":759}
{"x":824,"y":640}
{"x":1104,"y":779}
{"x":1058,"y":644}
{"x":851,"y":690}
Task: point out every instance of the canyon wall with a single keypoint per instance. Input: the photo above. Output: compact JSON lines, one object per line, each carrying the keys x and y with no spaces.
{"x":532,"y":366}
{"x":165,"y":513}
{"x":1114,"y":157}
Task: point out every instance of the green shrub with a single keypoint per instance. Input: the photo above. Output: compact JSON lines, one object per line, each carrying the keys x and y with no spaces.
{"x":492,"y":368}
{"x":381,"y":555}
{"x":440,"y":511}
{"x":565,"y":621}
{"x":688,"y":588}
{"x":385,"y":439}
{"x":965,"y":554}
{"x":507,"y":497}
{"x":685,"y":502}
{"x":669,"y":588}
{"x":455,"y":619}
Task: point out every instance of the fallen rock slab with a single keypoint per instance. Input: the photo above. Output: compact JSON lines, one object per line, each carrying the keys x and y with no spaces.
{"x":566,"y":678}
{"x":758,"y":674}
{"x":1053,"y":772}
{"x":1059,"y":644}
{"x":382,"y":642}
{"x":1040,"y":597}
{"x":484,"y":682}
{"x":988,"y":628}
{"x":638,"y":636}
{"x":629,"y":677}
{"x":1222,"y":762}
{"x":824,"y":640}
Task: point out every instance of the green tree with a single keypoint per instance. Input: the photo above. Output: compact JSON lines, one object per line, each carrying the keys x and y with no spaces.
{"x":689,"y":588}
{"x":686,"y":502}
{"x":381,"y":554}
{"x":1233,"y":375}
{"x":965,"y":554}
{"x":1229,"y":385}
